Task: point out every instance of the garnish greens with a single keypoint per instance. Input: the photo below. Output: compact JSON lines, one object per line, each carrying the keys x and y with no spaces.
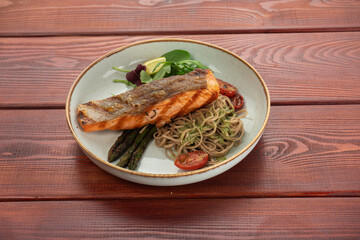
{"x":125,"y":81}
{"x":177,"y":62}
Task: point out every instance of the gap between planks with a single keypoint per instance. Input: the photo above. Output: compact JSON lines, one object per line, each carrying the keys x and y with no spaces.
{"x":312,"y":195}
{"x":189,"y":32}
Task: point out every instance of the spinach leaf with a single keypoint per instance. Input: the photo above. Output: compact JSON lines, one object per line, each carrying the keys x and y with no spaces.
{"x":177,"y":55}
{"x":145,"y":77}
{"x":166,"y":69}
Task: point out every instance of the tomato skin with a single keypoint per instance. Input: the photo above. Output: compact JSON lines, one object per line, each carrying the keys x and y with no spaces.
{"x":237,"y":101}
{"x":192,"y":160}
{"x":226,"y":88}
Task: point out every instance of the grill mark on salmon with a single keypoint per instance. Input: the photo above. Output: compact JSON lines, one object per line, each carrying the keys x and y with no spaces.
{"x":152,"y":103}
{"x":193,"y":99}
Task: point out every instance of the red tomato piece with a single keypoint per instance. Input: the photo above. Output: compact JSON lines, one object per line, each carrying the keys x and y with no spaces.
{"x":237,"y":101}
{"x":192,"y":160}
{"x":226,"y":88}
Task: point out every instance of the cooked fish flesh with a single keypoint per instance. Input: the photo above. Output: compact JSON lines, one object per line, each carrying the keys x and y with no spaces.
{"x":156,"y":102}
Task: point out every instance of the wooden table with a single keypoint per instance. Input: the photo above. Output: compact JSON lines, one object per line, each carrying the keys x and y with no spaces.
{"x":301,"y":181}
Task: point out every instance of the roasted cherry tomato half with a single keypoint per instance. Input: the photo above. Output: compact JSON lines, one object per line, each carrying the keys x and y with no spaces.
{"x":226,"y":88}
{"x":192,"y":160}
{"x":237,"y":101}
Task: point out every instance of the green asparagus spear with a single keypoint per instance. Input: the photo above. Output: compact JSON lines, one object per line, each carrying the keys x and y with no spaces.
{"x":126,"y":156}
{"x":118,"y":141}
{"x":122,"y":143}
{"x":135,"y":157}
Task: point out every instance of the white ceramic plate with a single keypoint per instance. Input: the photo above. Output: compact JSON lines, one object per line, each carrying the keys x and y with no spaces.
{"x":96,"y":82}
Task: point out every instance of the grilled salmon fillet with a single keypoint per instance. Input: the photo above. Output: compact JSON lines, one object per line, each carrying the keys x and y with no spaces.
{"x":156,"y":102}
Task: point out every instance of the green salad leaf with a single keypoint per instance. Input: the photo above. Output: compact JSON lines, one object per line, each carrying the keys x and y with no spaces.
{"x":163,"y":72}
{"x":176,"y":55}
{"x":145,"y":77}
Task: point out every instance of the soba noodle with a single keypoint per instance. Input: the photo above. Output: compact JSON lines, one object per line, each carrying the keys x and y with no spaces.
{"x":214,"y":129}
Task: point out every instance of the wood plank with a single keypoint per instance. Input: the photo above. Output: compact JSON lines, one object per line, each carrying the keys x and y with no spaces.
{"x":319,"y":218}
{"x":298,"y":68}
{"x":145,"y":16}
{"x":305,"y":151}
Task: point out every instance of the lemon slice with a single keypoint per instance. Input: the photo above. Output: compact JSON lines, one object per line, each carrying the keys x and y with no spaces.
{"x":151,"y":64}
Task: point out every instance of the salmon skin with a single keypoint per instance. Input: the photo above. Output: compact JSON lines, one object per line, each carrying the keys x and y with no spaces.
{"x":156,"y":102}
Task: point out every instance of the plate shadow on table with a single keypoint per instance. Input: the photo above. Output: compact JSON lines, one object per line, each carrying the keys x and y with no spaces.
{"x":239,"y":181}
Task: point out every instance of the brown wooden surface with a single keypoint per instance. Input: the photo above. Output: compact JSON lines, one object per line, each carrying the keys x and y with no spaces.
{"x":301,"y":218}
{"x":29,"y":17}
{"x":298,"y":68}
{"x":318,"y":157}
{"x":301,"y":181}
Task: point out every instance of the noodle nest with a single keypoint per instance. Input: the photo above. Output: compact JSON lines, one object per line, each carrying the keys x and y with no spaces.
{"x":214,"y":129}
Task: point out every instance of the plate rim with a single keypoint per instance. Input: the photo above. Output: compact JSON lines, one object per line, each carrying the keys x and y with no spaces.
{"x":165,"y":175}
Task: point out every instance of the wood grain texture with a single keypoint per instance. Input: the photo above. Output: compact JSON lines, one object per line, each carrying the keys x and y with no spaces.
{"x":161,"y":16}
{"x":315,"y":218}
{"x":305,"y":151}
{"x":298,"y":68}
